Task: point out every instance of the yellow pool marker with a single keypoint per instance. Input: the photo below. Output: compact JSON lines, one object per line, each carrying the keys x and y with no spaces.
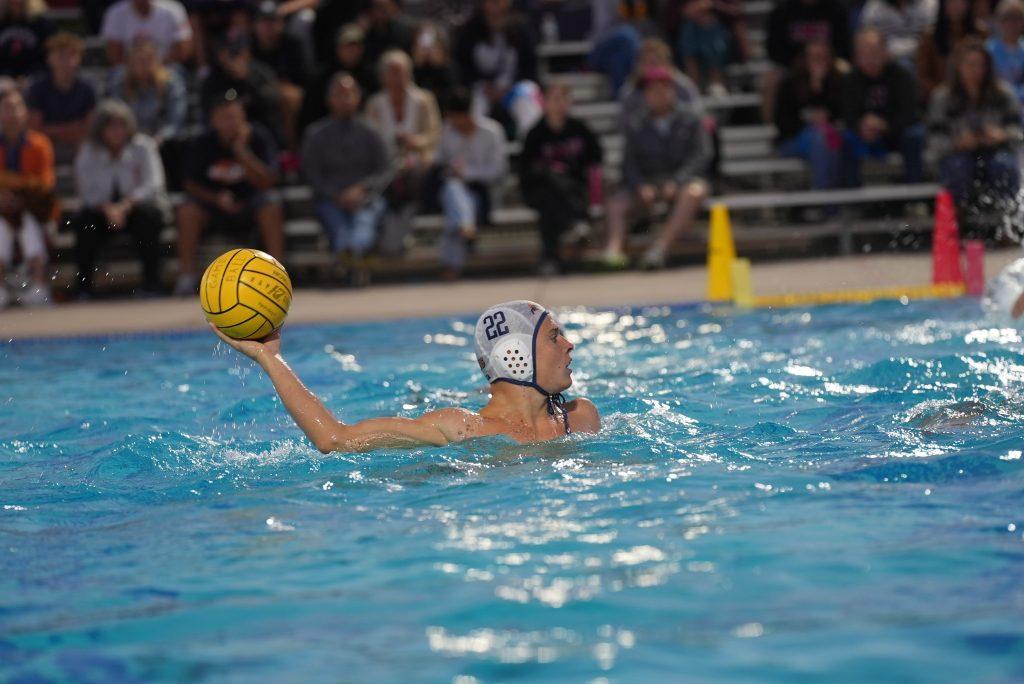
{"x":721,"y":254}
{"x":742,"y":290}
{"x":941,"y":291}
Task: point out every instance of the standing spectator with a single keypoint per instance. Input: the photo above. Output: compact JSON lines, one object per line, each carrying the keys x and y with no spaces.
{"x":26,"y":197}
{"x":558,"y":156}
{"x":667,"y":154}
{"x":901,"y":23}
{"x":282,"y":52}
{"x":432,"y":67}
{"x":497,"y":61}
{"x":162,"y":21}
{"x":346,"y":162}
{"x":387,"y":28}
{"x":808,"y":111}
{"x":705,"y":46}
{"x":791,"y":25}
{"x":955,"y":23}
{"x":473,"y":158}
{"x":349,"y":57}
{"x":60,"y":100}
{"x":974,"y":126}
{"x":1007,"y":47}
{"x":408,"y":119}
{"x":120,"y":182}
{"x":230,"y":173}
{"x":880,"y":111}
{"x":24,"y":29}
{"x":235,"y":69}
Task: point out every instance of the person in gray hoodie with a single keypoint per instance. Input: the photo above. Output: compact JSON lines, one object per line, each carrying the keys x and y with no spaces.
{"x":666,"y":158}
{"x":346,"y":162}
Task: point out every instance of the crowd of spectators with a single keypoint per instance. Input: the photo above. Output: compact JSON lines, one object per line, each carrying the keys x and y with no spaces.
{"x":385,"y":115}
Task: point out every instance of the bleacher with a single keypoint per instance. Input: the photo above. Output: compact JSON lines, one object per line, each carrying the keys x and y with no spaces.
{"x":762,"y":189}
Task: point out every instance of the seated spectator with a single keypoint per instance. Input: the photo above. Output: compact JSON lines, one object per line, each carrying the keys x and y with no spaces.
{"x":282,"y":52}
{"x":387,"y":28}
{"x":230,"y":172}
{"x":667,"y":154}
{"x":235,"y":69}
{"x":1007,"y":46}
{"x":162,"y":21}
{"x":497,"y":61}
{"x":213,"y":22}
{"x":705,"y":46}
{"x":346,"y":162}
{"x":432,"y":67}
{"x":472,"y":158}
{"x":901,"y":23}
{"x":120,"y":182}
{"x":350,"y":58}
{"x":558,"y":156}
{"x":27,"y":197}
{"x":330,"y":14}
{"x":791,"y":25}
{"x":654,"y":52}
{"x":59,"y":99}
{"x":808,"y":111}
{"x":974,"y":126}
{"x":880,"y":111}
{"x":956,"y":21}
{"x":24,"y":29}
{"x":615,"y":36}
{"x":155,"y":93}
{"x":408,"y":119}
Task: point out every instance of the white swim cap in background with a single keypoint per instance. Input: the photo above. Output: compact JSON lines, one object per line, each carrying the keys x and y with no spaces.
{"x":506,"y":341}
{"x":1003,"y":291}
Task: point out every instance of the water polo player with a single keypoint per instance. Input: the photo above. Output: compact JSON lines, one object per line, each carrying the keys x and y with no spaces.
{"x":520,"y":348}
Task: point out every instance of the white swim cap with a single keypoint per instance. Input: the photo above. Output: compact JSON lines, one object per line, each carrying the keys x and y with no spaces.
{"x":1001,"y":292}
{"x":506,"y":340}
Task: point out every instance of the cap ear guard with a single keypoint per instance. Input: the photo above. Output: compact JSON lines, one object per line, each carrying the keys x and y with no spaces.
{"x":512,"y":357}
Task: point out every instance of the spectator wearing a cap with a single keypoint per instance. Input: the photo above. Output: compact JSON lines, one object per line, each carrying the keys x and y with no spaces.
{"x":230,"y":173}
{"x":24,"y":29}
{"x":235,"y":69}
{"x":330,"y":14}
{"x":282,"y":52}
{"x":666,"y":159}
{"x":350,"y":57}
{"x":162,"y":21}
{"x":59,"y":99}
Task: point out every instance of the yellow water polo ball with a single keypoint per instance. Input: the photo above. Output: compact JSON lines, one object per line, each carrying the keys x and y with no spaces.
{"x":246,"y":294}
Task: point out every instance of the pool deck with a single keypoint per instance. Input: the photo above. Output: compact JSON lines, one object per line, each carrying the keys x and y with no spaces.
{"x":388,"y":302}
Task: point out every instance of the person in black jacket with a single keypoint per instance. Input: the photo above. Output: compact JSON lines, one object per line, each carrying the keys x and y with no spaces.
{"x":807,"y":111}
{"x":494,"y":52}
{"x":880,"y":111}
{"x":557,"y":158}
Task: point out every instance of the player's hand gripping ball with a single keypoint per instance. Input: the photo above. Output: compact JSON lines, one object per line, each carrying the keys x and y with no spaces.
{"x":246,"y":294}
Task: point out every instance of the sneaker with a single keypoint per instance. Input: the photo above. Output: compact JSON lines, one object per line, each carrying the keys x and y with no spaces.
{"x":35,"y":296}
{"x":579,"y":232}
{"x":653,"y":259}
{"x":186,"y":285}
{"x":717,"y":90}
{"x":612,"y":261}
{"x":548,"y":269}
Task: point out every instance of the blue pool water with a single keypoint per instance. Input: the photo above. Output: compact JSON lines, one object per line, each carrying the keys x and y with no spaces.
{"x":827,"y":494}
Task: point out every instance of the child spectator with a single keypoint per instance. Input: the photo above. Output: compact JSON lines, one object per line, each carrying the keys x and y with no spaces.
{"x":59,"y":99}
{"x":350,"y":58}
{"x":808,"y":111}
{"x":162,"y":21}
{"x":974,"y":126}
{"x":24,"y":29}
{"x":880,"y":111}
{"x":473,"y":158}
{"x":558,"y":155}
{"x":705,"y":46}
{"x":408,"y":119}
{"x":346,"y":162}
{"x":120,"y":182}
{"x":1007,"y":47}
{"x":432,"y":67}
{"x":666,"y":157}
{"x":901,"y":23}
{"x":282,"y":52}
{"x":955,"y":23}
{"x":26,"y":197}
{"x":236,"y":70}
{"x":230,"y":173}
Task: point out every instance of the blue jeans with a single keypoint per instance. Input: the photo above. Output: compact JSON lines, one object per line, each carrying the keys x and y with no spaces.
{"x":352,"y":231}
{"x":613,"y":55}
{"x":461,"y":207}
{"x":993,"y":173}
{"x":812,"y":145}
{"x":910,"y":145}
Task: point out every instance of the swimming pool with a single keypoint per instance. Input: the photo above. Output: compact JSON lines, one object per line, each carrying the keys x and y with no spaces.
{"x":824,"y":494}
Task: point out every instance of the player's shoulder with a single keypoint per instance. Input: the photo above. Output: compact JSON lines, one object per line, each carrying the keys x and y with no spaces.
{"x":584,"y":415}
{"x":455,"y":423}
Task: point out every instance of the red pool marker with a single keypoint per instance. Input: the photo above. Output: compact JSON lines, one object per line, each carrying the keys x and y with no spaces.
{"x":946,"y":242}
{"x":975,"y":267}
